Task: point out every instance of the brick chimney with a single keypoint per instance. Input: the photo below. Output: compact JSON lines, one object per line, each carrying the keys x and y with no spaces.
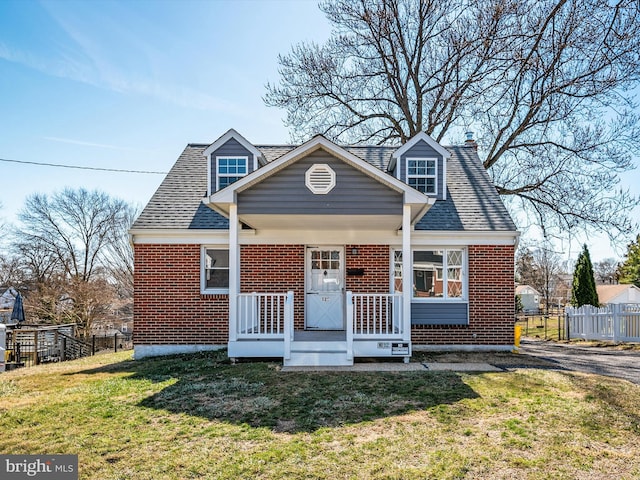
{"x":470,"y":142}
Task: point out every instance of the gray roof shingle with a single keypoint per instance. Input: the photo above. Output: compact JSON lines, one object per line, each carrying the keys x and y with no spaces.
{"x":472,"y":204}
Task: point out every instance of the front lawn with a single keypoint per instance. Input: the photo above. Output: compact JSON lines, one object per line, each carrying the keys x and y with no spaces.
{"x":198,"y":416}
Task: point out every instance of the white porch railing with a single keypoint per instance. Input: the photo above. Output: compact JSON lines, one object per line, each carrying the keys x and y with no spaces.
{"x":288,"y":325}
{"x":263,"y":315}
{"x":376,"y":315}
{"x":620,"y":323}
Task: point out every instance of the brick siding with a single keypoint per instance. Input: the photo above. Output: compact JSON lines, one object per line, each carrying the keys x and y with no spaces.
{"x":491,"y":302}
{"x":375,"y":260}
{"x":275,"y":269}
{"x":169,"y":308}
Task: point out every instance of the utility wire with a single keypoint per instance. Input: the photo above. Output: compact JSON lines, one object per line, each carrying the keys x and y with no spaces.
{"x":80,"y":167}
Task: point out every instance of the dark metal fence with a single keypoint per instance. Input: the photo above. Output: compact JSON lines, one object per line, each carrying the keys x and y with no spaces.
{"x":115,"y":342}
{"x":547,"y":327}
{"x":27,"y":347}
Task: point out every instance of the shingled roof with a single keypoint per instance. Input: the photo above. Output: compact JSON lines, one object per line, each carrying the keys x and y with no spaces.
{"x":472,"y":202}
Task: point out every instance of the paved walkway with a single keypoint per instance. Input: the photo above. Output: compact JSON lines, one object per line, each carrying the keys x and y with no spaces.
{"x":401,"y":367}
{"x":607,"y":361}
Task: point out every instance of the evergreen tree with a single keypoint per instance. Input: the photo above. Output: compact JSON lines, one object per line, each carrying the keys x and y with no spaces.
{"x":584,"y":284}
{"x":630,"y":268}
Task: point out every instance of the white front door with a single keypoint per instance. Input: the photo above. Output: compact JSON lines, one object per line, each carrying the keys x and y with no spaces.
{"x":324,"y":305}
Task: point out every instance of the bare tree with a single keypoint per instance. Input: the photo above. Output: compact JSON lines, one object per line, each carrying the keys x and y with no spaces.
{"x":606,"y":271}
{"x":541,"y":268}
{"x":545,"y":83}
{"x":117,"y":256}
{"x":63,"y":241}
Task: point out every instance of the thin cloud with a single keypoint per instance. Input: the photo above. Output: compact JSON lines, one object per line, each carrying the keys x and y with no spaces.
{"x":93,"y":144}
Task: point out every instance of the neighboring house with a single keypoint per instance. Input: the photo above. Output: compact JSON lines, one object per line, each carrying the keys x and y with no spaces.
{"x":529,"y":297}
{"x":7,"y":297}
{"x":613,"y":294}
{"x":319,"y":253}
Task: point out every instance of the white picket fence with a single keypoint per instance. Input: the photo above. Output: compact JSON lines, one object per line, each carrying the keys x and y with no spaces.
{"x":620,"y":323}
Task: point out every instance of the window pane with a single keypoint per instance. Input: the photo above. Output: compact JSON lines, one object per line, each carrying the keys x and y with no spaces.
{"x":226,"y":181}
{"x":216,"y":268}
{"x":418,"y":183}
{"x":454,"y":283}
{"x":454,"y":272}
{"x":397,"y":271}
{"x":454,"y":258}
{"x":425,"y":265}
{"x":217,"y":258}
{"x":429,"y":185}
{"x":217,"y":278}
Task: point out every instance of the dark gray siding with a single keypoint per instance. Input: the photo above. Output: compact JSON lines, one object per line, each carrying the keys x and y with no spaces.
{"x":444,"y":313}
{"x":231,"y":148}
{"x":423,"y":150}
{"x":285,"y":192}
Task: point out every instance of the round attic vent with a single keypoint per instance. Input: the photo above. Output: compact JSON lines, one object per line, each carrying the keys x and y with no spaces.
{"x":320,"y":178}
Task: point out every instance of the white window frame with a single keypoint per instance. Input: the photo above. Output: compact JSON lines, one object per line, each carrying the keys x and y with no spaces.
{"x":445,"y":273}
{"x":434,"y":176}
{"x":203,"y":271}
{"x":226,"y":175}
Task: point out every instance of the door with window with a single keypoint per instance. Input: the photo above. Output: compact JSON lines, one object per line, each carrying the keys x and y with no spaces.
{"x":324,"y":298}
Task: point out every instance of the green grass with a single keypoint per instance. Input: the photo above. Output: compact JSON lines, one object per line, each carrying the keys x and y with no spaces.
{"x":539,"y":326}
{"x":198,"y":416}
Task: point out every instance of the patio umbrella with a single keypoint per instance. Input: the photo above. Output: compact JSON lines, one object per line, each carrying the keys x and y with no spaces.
{"x":18,"y":309}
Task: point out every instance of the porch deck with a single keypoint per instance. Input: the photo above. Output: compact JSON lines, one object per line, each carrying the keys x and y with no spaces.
{"x":374,"y":327}
{"x":319,"y":336}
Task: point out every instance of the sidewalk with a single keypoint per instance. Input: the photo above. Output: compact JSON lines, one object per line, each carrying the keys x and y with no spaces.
{"x":401,"y":367}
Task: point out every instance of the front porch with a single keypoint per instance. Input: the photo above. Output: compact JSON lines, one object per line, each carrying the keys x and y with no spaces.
{"x":374,"y":326}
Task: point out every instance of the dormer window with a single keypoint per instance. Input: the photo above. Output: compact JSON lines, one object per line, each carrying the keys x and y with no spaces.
{"x":229,"y":170}
{"x":421,"y":174}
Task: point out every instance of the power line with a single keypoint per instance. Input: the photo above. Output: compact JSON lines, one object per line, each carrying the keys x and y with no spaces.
{"x":80,"y":167}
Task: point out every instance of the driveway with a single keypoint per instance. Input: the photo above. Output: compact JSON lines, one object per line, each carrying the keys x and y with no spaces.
{"x":600,"y":360}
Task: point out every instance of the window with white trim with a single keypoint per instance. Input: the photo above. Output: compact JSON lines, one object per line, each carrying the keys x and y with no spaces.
{"x":437,"y":274}
{"x":215,"y":270}
{"x":422,"y":174}
{"x":229,"y":170}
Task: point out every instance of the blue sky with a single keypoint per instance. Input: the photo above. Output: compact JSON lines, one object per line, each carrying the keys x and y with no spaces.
{"x":127,"y":84}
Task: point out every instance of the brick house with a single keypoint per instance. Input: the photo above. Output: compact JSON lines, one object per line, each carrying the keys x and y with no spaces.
{"x":320,"y":253}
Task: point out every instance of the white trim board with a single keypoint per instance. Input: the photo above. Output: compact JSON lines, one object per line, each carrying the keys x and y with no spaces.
{"x":228,"y":135}
{"x":143,"y":351}
{"x":291,"y":237}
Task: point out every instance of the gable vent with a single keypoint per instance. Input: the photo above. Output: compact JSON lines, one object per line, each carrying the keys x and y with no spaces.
{"x":320,"y":178}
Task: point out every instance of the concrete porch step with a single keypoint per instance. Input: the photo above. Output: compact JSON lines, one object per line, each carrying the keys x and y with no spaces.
{"x":318,"y":354}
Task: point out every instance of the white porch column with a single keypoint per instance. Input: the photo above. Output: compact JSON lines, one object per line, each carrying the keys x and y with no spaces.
{"x":234,"y":272}
{"x":407,"y":272}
